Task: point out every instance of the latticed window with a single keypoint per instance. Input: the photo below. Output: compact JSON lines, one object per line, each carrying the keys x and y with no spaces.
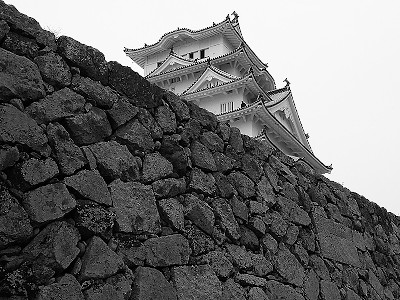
{"x":226,"y":107}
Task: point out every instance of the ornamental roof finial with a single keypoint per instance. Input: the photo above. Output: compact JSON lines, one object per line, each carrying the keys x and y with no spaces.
{"x":251,"y":70}
{"x":235,"y":16}
{"x":287,"y":83}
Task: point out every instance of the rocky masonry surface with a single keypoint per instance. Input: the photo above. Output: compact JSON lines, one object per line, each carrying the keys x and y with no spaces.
{"x":111,"y":188}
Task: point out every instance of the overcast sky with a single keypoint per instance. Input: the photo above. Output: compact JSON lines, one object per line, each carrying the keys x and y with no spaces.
{"x":341,"y":57}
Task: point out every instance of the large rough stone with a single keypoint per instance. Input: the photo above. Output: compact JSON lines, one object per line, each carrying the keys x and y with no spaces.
{"x":8,"y":156}
{"x":17,"y":127}
{"x":257,"y":293}
{"x":94,"y":220}
{"x":235,"y":140}
{"x":150,"y":284}
{"x":206,"y":119}
{"x":135,"y":136}
{"x":55,"y":246}
{"x":224,"y":187}
{"x":200,"y":213}
{"x":135,"y":207}
{"x":61,"y":104}
{"x":218,"y":262}
{"x":14,"y":222}
{"x":292,"y":212}
{"x":265,"y":191}
{"x":280,"y":291}
{"x":101,"y":95}
{"x":202,"y":182}
{"x":202,"y":157}
{"x":233,"y":291}
{"x":165,"y":117}
{"x":178,"y":106}
{"x":275,"y":223}
{"x":148,"y":121}
{"x":170,"y":250}
{"x":33,"y":172}
{"x":199,"y":241}
{"x":90,"y":60}
{"x":121,"y":112}
{"x":311,"y":286}
{"x":99,"y":261}
{"x":248,"y":279}
{"x":54,"y":69}
{"x":103,"y":292}
{"x":19,"y":78}
{"x":169,"y":187}
{"x":4,"y":29}
{"x":48,"y":202}
{"x":139,"y":91}
{"x":67,"y":288}
{"x":155,"y":166}
{"x":288,"y":266}
{"x":90,"y":185}
{"x":329,"y":290}
{"x":196,"y":282}
{"x":20,"y":45}
{"x":252,"y":167}
{"x":125,"y":167}
{"x":224,"y":163}
{"x":69,"y":156}
{"x":224,"y":212}
{"x":27,"y":25}
{"x":89,"y":128}
{"x":243,"y":184}
{"x":212,"y":141}
{"x":171,"y":210}
{"x":240,"y":257}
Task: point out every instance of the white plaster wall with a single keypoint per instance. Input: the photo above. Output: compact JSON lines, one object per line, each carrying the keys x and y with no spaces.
{"x":214,"y":104}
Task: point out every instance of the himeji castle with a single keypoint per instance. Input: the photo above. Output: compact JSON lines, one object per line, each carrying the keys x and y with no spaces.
{"x":216,"y":69}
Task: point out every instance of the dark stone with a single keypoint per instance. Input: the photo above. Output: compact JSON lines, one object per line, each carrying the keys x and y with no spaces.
{"x":67,"y":288}
{"x":20,"y":45}
{"x":200,"y":213}
{"x":102,"y":96}
{"x":202,"y":157}
{"x":220,"y":264}
{"x":99,"y":261}
{"x":329,"y":290}
{"x":90,"y":185}
{"x":191,"y":131}
{"x":121,"y":112}
{"x":252,"y":167}
{"x":135,"y":207}
{"x":19,"y":78}
{"x":292,"y":212}
{"x":54,"y":247}
{"x":171,"y":210}
{"x":235,"y":140}
{"x":223,"y":211}
{"x":224,"y":163}
{"x":54,"y":69}
{"x":242,"y":184}
{"x":212,"y":141}
{"x":199,"y":241}
{"x":250,"y":280}
{"x":61,"y":104}
{"x":196,"y":282}
{"x":165,"y":117}
{"x":248,"y":238}
{"x":202,"y":182}
{"x":126,"y":167}
{"x":147,"y":120}
{"x":8,"y":156}
{"x":90,"y":61}
{"x":89,"y":128}
{"x":69,"y":156}
{"x":225,"y":189}
{"x":282,"y":292}
{"x":155,"y":167}
{"x":318,"y":265}
{"x":239,"y":208}
{"x":257,"y":293}
{"x":178,"y":106}
{"x":135,"y":136}
{"x":150,"y":284}
{"x":14,"y":222}
{"x":233,"y":291}
{"x":257,"y":225}
{"x":33,"y":172}
{"x":48,"y":202}
{"x":169,"y":187}
{"x":4,"y":29}
{"x":311,"y":286}
{"x":139,"y":91}
{"x":206,"y":119}
{"x":272,"y":177}
{"x":100,"y":291}
{"x":266,"y":192}
{"x":240,"y":257}
{"x":170,"y":250}
{"x":17,"y":127}
{"x":269,"y":244}
{"x":27,"y":25}
{"x":275,"y":223}
{"x":94,"y":220}
{"x":257,"y":208}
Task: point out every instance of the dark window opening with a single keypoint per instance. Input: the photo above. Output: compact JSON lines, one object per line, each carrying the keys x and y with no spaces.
{"x":202,"y":53}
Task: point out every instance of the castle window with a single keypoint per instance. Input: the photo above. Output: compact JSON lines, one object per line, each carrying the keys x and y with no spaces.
{"x":191,"y":54}
{"x":202,"y":53}
{"x":226,"y":107}
{"x":159,"y":63}
{"x":176,"y":79}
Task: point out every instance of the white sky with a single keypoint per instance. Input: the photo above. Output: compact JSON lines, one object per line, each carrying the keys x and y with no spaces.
{"x":341,"y":57}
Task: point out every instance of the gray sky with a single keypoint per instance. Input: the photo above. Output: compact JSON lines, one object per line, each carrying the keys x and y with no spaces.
{"x":341,"y":57}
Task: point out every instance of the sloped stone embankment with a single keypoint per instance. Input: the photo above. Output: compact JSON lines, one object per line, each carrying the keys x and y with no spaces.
{"x":111,"y":188}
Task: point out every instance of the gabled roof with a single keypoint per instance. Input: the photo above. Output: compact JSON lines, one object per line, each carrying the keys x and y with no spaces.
{"x":171,"y":60}
{"x":210,"y":73}
{"x":229,"y":28}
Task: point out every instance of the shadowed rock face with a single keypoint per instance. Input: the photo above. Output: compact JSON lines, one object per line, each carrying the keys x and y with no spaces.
{"x":111,"y":188}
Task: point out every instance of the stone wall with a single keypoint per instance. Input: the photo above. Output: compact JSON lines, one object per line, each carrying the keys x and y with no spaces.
{"x":111,"y":188}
